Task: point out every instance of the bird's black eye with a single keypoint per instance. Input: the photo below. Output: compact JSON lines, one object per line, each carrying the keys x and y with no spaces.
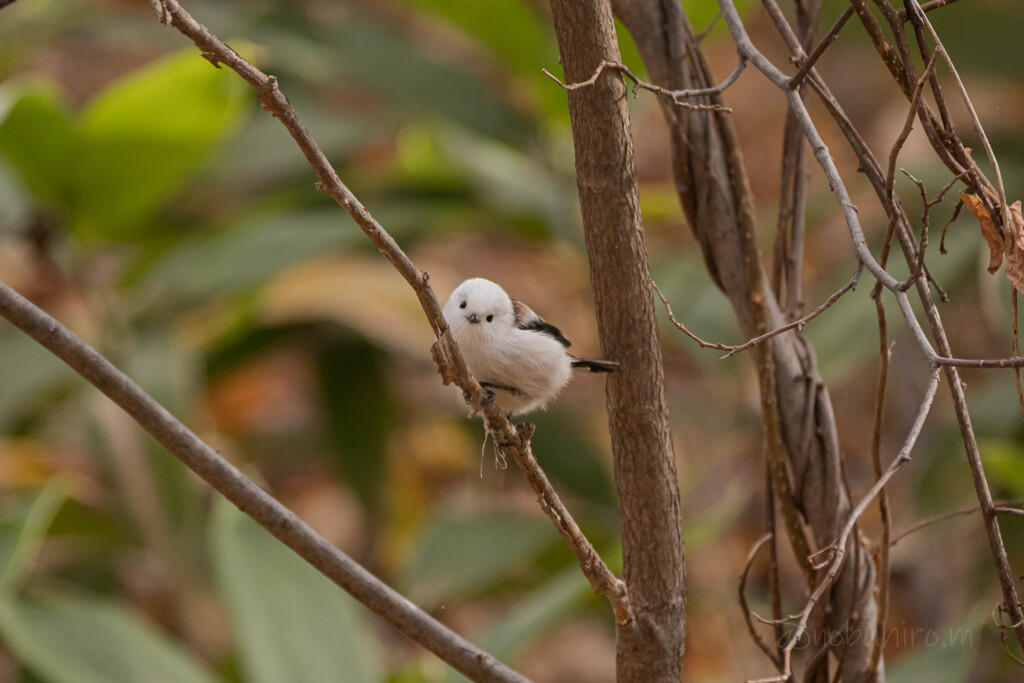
{"x":490,"y":318}
{"x":462,"y":305}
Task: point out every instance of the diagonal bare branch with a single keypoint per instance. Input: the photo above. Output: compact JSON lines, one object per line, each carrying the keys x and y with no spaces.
{"x":413,"y":622}
{"x":445,"y":351}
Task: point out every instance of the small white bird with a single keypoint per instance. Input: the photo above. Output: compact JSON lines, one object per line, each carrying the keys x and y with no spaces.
{"x":514,"y":354}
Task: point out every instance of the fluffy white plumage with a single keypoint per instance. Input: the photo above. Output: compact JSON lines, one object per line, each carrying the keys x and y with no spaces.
{"x":510,"y":349}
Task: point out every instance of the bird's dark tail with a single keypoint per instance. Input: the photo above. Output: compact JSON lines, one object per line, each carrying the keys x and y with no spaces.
{"x":594,"y":365}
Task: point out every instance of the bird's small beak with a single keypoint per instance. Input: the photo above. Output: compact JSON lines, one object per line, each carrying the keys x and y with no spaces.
{"x":472,"y":318}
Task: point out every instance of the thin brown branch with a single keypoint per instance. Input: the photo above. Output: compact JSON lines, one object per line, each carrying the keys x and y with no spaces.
{"x":927,"y":7}
{"x":924,"y":49}
{"x":788,"y":264}
{"x":681,"y":327}
{"x":795,"y":325}
{"x":808,"y":63}
{"x":890,"y":180}
{"x":952,"y":219}
{"x":742,"y":589}
{"x":908,"y":124}
{"x":1002,"y":507}
{"x":1016,"y":347}
{"x":891,"y":200}
{"x":678,"y":97}
{"x":941,"y":132}
{"x":870,"y":165}
{"x":985,"y":364}
{"x":699,"y":38}
{"x":774,"y":580}
{"x":602,"y":579}
{"x":445,"y":352}
{"x":901,"y":65}
{"x":415,"y":624}
{"x":885,"y":355}
{"x":799,"y":324}
{"x":918,"y":268}
{"x":821,"y":153}
{"x":838,"y":549}
{"x":978,"y":128}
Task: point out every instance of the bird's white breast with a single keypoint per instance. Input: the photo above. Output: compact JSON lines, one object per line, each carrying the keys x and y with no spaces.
{"x":533,"y":363}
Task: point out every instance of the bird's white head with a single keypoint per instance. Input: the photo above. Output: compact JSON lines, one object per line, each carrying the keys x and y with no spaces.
{"x":479,"y":307}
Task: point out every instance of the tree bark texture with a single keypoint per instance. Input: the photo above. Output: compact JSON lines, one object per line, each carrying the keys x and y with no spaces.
{"x":650,"y":648}
{"x":799,"y":422}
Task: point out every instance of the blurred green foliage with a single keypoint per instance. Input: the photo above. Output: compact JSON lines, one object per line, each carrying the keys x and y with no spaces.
{"x":110,"y":168}
{"x":300,"y":627}
{"x":167,"y":184}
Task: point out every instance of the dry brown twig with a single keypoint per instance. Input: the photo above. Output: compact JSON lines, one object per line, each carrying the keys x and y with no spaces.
{"x":678,"y":97}
{"x":936,"y":360}
{"x":808,"y":63}
{"x":927,"y":7}
{"x":745,"y":608}
{"x":918,"y":267}
{"x":1003,"y":508}
{"x":885,"y":356}
{"x":1015,"y":340}
{"x":978,"y":128}
{"x":851,"y":284}
{"x":837,"y":551}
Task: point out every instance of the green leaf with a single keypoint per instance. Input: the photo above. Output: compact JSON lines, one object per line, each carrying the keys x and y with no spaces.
{"x":36,"y":135}
{"x":511,"y":181}
{"x":553,"y":601}
{"x":512,"y":30}
{"x":1005,"y":463}
{"x":573,"y":461}
{"x":702,"y":12}
{"x":291,"y":622}
{"x":458,"y":556}
{"x":30,"y":376}
{"x":946,"y":654}
{"x":359,"y":410}
{"x":264,"y":154}
{"x":227,"y":262}
{"x":77,"y":640}
{"x":379,"y":59}
{"x":15,"y":200}
{"x":22,"y":534}
{"x":140,"y":140}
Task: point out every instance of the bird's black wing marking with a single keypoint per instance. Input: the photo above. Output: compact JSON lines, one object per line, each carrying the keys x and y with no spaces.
{"x":538,"y":325}
{"x":526,"y":319}
{"x":594,"y":365}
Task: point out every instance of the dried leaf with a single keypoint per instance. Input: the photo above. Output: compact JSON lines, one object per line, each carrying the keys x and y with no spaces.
{"x":1015,"y":248}
{"x":991,"y":233}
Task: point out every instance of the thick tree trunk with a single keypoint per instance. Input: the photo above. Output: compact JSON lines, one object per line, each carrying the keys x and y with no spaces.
{"x":650,"y":648}
{"x":712,"y":186}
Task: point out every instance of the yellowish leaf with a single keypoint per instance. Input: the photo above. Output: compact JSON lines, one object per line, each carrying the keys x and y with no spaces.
{"x":991,"y":233}
{"x":1015,"y":248}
